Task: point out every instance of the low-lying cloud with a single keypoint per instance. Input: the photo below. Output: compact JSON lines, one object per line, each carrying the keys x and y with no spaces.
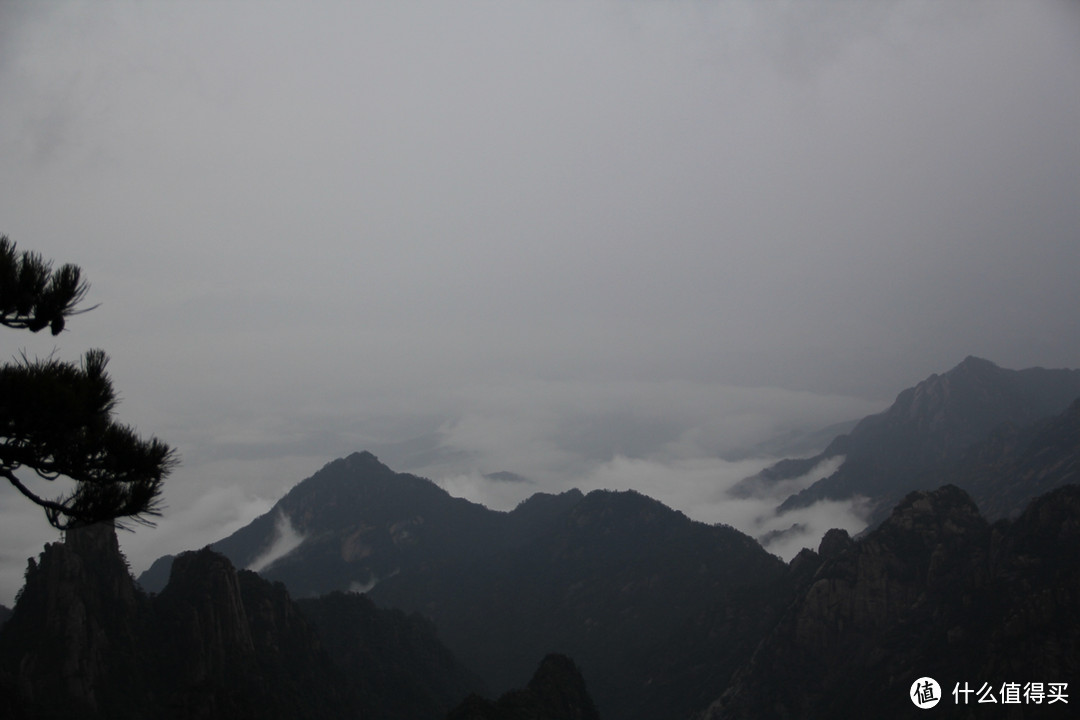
{"x":701,"y":489}
{"x":665,"y":439}
{"x":286,"y":539}
{"x":669,"y":441}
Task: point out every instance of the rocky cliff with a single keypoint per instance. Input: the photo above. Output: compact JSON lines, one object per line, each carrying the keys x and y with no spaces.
{"x":74,"y":639}
{"x":556,"y":692}
{"x":934,"y":591}
{"x":238,"y":645}
{"x":216,"y":643}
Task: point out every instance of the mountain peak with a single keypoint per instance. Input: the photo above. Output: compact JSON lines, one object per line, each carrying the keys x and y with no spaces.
{"x":975,"y":368}
{"x":351,"y":473}
{"x":935,"y":516}
{"x":973,"y":375}
{"x":557,"y":691}
{"x":355,"y":462}
{"x":361,"y":460}
{"x":972,"y":363}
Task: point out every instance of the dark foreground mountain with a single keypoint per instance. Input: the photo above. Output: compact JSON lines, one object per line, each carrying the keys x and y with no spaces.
{"x":394,"y":660}
{"x":556,"y":692}
{"x":930,"y":431}
{"x":84,"y":641}
{"x":934,"y":591}
{"x":658,"y":610}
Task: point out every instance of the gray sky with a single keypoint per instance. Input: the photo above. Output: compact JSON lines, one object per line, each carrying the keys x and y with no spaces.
{"x":597,"y":244}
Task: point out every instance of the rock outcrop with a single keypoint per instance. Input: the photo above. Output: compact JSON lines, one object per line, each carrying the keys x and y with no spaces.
{"x":84,"y":641}
{"x":78,"y":624}
{"x":556,"y":692}
{"x":934,"y":591}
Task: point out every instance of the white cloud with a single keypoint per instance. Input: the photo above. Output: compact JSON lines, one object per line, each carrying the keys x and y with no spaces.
{"x":699,"y":488}
{"x":492,"y":493}
{"x":695,"y":484}
{"x":804,"y":528}
{"x":286,"y":539}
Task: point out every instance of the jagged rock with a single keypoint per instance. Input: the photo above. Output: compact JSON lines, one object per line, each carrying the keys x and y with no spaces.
{"x":833,"y":543}
{"x":216,"y":643}
{"x":238,"y":646}
{"x":80,"y":618}
{"x":934,"y":591}
{"x":203,"y":610}
{"x":556,"y":692}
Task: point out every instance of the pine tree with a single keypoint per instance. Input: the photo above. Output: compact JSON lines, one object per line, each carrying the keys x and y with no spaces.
{"x":56,"y":418}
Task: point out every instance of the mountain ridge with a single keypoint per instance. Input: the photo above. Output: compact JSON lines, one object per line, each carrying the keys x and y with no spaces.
{"x":608,"y":578}
{"x":927,"y":427}
{"x":665,"y":615}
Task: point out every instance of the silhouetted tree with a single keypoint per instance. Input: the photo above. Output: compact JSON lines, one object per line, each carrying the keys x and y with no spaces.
{"x":56,"y":417}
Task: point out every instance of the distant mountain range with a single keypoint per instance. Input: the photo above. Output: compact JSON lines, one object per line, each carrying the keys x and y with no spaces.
{"x":935,"y":432}
{"x":663,"y":617}
{"x":623,"y":584}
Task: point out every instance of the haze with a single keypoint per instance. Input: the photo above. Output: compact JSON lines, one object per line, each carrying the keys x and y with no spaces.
{"x":595,"y":244}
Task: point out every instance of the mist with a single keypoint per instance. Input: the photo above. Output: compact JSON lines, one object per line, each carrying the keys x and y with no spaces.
{"x":616,"y":243}
{"x":286,"y":539}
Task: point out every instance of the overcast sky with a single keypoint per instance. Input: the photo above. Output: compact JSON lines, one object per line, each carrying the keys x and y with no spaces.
{"x":593,"y":243}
